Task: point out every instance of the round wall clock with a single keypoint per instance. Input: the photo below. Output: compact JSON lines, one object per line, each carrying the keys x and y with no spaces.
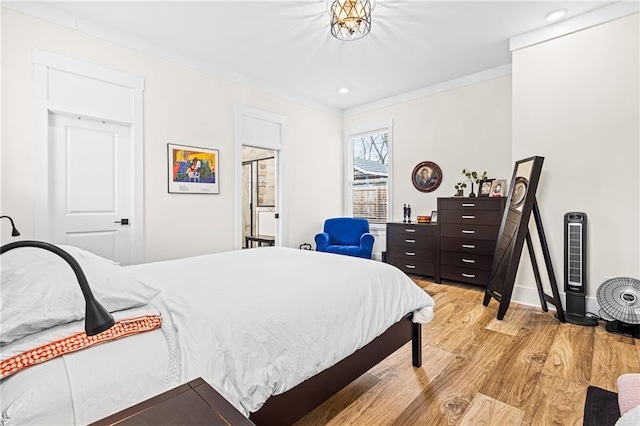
{"x":426,"y":176}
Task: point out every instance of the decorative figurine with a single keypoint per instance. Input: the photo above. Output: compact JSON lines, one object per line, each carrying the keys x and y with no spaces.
{"x":409,"y":213}
{"x":404,"y":213}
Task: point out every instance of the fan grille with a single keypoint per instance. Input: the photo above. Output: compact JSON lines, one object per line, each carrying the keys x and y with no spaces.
{"x":620,"y":298}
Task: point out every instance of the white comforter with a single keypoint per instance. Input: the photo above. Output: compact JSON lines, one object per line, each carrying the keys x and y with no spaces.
{"x":258,"y":322}
{"x":252,"y":323}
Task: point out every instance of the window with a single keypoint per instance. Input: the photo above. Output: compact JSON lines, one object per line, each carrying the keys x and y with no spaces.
{"x":369,"y":175}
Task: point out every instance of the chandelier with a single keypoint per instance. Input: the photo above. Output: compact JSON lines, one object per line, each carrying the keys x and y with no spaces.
{"x":350,"y":19}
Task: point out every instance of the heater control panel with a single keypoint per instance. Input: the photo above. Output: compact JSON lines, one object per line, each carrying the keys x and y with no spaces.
{"x":575,"y":251}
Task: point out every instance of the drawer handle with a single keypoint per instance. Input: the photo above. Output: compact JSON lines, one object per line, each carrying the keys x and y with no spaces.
{"x":410,"y":266}
{"x":468,"y":217}
{"x":468,"y":275}
{"x":410,"y":230}
{"x":468,"y":231}
{"x":468,"y":204}
{"x":468,"y":261}
{"x":469,"y":246}
{"x":409,"y":253}
{"x":409,"y":241}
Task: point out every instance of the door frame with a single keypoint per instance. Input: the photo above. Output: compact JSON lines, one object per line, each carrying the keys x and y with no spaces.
{"x":251,"y":206}
{"x":243,"y":115}
{"x":117,"y":111}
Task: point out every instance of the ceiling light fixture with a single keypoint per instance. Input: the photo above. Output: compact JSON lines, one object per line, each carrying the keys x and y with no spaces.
{"x":350,"y":19}
{"x":343,"y":90}
{"x":556,"y":14}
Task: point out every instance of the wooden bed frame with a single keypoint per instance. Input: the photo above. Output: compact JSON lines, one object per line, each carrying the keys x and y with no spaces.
{"x":288,"y":407}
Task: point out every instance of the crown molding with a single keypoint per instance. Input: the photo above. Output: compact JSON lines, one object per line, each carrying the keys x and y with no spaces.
{"x":478,"y":77}
{"x":56,"y":16}
{"x":586,"y":20}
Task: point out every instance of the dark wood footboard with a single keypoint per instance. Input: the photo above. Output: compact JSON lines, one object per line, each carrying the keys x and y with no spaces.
{"x":287,"y":408}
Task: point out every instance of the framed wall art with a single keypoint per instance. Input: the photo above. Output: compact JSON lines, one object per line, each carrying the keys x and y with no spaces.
{"x":426,"y":176}
{"x":519,"y":191}
{"x":193,"y":170}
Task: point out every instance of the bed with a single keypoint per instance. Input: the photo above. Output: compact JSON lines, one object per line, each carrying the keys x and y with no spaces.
{"x":266,"y":327}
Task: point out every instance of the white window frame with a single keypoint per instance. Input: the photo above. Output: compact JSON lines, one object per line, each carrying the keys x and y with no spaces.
{"x":349,"y":134}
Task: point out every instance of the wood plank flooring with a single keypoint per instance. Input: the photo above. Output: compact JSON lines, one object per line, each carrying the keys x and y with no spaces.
{"x":528,"y":369}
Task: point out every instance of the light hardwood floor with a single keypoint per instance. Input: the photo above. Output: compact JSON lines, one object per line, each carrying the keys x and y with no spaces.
{"x":528,"y":369}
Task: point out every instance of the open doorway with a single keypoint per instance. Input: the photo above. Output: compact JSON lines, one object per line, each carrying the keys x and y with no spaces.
{"x":259,"y":129}
{"x":259,"y":196}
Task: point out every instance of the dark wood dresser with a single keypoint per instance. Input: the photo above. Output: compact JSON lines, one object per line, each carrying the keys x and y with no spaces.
{"x":468,"y":233}
{"x":413,"y":247}
{"x":194,"y":403}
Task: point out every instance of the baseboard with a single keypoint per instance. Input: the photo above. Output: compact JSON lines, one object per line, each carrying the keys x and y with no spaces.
{"x":529,"y":296}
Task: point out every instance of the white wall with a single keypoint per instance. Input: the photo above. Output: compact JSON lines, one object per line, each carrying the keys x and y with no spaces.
{"x":576,"y":103}
{"x":466,"y":127}
{"x":181,"y":105}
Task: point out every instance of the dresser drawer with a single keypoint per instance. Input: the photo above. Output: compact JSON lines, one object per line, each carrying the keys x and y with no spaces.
{"x":475,"y":204}
{"x":412,"y":267}
{"x":466,"y":245}
{"x":466,"y":260}
{"x":472,"y":232}
{"x":411,"y":229}
{"x":412,"y":253}
{"x":476,"y":217}
{"x":465,"y":275}
{"x":409,"y":241}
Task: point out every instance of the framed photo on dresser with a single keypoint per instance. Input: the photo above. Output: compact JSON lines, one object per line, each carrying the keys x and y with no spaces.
{"x":498,"y":188}
{"x":485,"y":188}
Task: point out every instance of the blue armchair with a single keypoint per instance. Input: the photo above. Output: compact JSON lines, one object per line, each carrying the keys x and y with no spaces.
{"x":346,"y":235}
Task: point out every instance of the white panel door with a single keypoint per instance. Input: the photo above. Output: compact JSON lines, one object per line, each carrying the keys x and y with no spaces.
{"x":90,"y":185}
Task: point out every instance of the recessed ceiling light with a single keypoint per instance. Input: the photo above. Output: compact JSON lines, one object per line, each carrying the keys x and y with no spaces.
{"x":343,"y":90}
{"x":556,"y":14}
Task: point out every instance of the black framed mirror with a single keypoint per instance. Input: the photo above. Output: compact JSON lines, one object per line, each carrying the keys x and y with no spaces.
{"x":514,"y":231}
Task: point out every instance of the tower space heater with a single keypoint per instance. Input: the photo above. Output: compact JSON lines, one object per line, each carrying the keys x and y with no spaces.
{"x":575,"y":268}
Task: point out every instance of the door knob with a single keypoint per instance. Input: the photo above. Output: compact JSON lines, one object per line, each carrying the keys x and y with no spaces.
{"x":122,"y":221}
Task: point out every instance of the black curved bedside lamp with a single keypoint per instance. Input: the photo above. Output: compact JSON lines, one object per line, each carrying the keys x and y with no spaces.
{"x":14,"y":231}
{"x":97,"y":318}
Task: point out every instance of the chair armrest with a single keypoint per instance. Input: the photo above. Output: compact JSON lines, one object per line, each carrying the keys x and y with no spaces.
{"x":322,"y":241}
{"x":366,"y":241}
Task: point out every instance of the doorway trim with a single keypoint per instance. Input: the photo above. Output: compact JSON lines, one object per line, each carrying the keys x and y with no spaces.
{"x":250,"y":125}
{"x":127,"y":111}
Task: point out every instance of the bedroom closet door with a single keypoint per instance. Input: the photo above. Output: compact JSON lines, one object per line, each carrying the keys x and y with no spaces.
{"x":90,"y":185}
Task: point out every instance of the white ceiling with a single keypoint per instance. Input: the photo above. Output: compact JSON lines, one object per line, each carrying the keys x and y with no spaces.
{"x":286,"y":46}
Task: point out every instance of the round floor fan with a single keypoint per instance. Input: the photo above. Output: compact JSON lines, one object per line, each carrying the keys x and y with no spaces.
{"x":620,"y":298}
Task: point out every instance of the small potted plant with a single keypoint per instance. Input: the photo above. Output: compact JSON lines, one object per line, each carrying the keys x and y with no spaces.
{"x":472,"y":176}
{"x":460,"y":186}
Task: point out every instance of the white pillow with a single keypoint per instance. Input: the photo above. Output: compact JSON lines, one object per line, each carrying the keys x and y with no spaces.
{"x":39,"y":290}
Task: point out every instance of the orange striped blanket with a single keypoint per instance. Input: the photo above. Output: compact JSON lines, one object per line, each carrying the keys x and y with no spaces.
{"x":76,"y":342}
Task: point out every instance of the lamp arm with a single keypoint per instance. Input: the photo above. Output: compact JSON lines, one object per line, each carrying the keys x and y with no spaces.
{"x":97,"y":318}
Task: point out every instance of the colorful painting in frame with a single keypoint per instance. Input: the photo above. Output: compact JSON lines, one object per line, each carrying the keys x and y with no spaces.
{"x":193,"y":170}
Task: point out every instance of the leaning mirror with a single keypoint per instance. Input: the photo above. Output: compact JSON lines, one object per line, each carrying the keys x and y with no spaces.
{"x":514,"y":231}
